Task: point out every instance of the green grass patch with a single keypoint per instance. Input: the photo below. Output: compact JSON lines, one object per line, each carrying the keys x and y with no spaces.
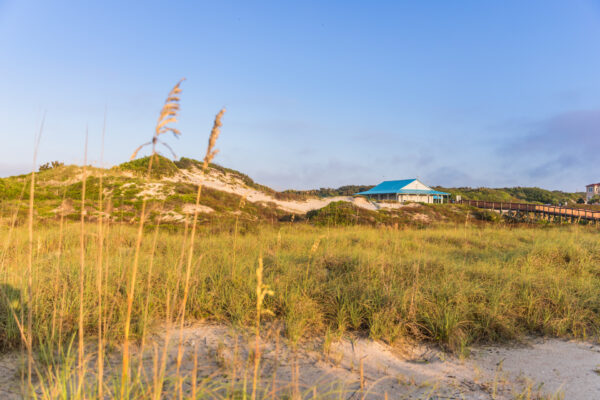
{"x":161,"y":166}
{"x":452,"y":285}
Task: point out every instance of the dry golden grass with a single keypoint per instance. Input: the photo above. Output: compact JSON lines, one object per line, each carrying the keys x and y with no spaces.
{"x":167,"y":116}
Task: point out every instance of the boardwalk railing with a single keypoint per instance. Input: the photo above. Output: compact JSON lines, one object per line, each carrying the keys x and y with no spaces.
{"x":536,"y":208}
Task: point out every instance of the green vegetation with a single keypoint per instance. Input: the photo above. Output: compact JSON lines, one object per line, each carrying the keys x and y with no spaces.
{"x":50,"y":165}
{"x":516,"y":195}
{"x":453,"y":285}
{"x":341,"y":213}
{"x":59,"y":191}
{"x":161,"y":166}
{"x":595,"y":200}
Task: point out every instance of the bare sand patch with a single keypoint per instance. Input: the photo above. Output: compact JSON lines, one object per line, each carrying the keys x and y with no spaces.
{"x":421,"y":217}
{"x":152,"y":191}
{"x":191,"y":208}
{"x":553,"y":365}
{"x":543,"y":368}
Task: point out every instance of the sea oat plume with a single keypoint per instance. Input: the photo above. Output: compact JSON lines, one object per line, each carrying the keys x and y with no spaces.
{"x":211,"y":152}
{"x":168,"y":115}
{"x":169,"y":111}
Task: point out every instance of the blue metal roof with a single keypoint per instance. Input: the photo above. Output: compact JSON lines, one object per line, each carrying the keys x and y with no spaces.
{"x":388,"y":187}
{"x":417,"y":191}
{"x":397,"y":187}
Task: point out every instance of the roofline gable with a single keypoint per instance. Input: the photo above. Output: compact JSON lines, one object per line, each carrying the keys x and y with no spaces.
{"x":427,"y":186}
{"x":398,"y":187}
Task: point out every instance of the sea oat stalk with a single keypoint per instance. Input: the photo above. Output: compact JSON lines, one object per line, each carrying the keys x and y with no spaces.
{"x":210,"y":154}
{"x":167,"y":116}
{"x":30,"y":262}
{"x":80,"y":334}
{"x":99,"y":261}
{"x":262,"y":291}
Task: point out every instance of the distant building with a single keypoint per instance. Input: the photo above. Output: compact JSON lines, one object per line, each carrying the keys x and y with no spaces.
{"x":592,"y":190}
{"x":405,"y":190}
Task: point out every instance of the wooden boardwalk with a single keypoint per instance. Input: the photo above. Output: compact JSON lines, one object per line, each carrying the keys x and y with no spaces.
{"x":568,"y":212}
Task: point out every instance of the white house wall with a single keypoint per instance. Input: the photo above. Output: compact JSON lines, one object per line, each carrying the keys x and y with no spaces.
{"x":417,"y":198}
{"x":417,"y":185}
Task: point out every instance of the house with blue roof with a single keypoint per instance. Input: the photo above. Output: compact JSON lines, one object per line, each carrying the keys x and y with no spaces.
{"x":405,"y":190}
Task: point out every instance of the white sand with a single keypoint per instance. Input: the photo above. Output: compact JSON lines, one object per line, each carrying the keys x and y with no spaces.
{"x":229,"y":183}
{"x":544,"y":367}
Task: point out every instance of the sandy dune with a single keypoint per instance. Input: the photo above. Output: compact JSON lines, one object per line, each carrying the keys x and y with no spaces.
{"x":229,"y":183}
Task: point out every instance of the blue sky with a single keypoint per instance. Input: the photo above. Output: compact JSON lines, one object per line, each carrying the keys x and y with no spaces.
{"x":461,"y":93}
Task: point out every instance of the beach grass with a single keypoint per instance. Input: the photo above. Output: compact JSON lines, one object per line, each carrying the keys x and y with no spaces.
{"x":449,"y":285}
